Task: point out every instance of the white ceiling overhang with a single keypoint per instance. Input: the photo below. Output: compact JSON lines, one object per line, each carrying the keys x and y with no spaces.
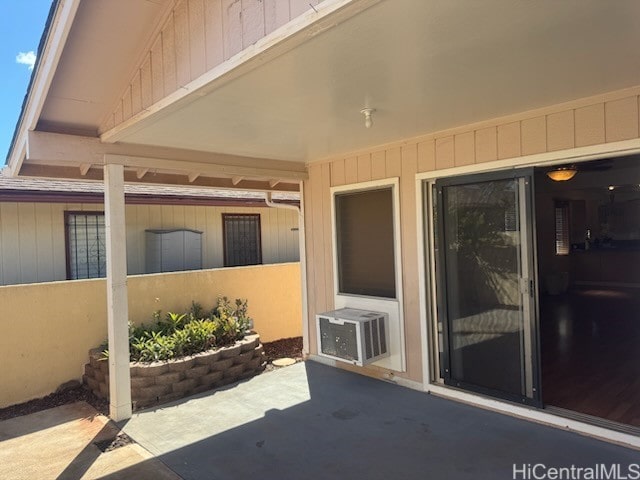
{"x":424,"y":66}
{"x":104,"y":45}
{"x":296,"y":95}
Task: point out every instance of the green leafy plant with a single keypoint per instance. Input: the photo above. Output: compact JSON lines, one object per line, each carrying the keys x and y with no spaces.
{"x":172,"y":322}
{"x":196,"y":311}
{"x":233,"y":320}
{"x":179,"y":334}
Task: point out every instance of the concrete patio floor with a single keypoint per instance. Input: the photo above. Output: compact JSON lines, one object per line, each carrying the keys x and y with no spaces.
{"x":60,"y":443}
{"x":313,"y":421}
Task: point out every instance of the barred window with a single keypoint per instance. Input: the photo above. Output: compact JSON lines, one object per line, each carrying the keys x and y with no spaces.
{"x":86,"y":245}
{"x":242,"y":241}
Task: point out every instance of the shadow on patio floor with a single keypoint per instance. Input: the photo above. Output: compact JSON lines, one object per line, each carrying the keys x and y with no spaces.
{"x":60,"y":443}
{"x":313,"y":421}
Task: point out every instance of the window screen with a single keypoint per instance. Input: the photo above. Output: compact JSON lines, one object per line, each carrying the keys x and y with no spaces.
{"x":562,"y":228}
{"x":241,"y":239}
{"x":86,"y":250}
{"x":365,"y":243}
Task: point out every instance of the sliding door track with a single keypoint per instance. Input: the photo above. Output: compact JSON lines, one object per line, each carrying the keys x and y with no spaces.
{"x":596,"y":421}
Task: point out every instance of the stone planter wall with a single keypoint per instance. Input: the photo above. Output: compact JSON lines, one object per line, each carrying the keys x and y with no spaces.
{"x":161,"y":382}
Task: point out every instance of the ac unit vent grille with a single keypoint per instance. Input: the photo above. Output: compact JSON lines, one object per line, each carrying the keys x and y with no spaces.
{"x":339,"y":340}
{"x":383,"y":338}
{"x":376,"y":339}
{"x":355,"y":336}
{"x":367,"y":341}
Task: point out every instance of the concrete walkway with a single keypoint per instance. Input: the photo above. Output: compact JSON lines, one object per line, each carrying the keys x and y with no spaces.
{"x":311,"y":421}
{"x":59,"y":443}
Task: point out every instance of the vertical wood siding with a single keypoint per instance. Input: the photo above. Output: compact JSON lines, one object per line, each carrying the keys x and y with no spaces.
{"x":196,"y":36}
{"x":563,"y":127}
{"x":32,"y":236}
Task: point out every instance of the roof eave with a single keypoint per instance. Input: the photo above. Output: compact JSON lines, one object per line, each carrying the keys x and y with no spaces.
{"x":39,"y":196}
{"x":54,"y":36}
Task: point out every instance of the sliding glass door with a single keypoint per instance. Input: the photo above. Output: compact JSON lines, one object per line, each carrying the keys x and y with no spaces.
{"x":485,"y":285}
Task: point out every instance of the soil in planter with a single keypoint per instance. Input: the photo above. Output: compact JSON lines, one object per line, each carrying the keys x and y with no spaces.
{"x":287,"y":347}
{"x":72,"y":395}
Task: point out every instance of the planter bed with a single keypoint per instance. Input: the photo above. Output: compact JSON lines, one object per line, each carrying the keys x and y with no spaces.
{"x":160,"y":382}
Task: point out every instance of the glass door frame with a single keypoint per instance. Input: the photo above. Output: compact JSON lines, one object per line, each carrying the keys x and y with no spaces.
{"x":529,"y":291}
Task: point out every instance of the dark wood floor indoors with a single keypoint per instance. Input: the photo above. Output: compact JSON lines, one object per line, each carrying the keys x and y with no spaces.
{"x":590,"y":342}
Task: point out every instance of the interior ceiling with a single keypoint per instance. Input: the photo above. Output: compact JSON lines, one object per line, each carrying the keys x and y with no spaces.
{"x":423,"y":65}
{"x":623,"y":173}
{"x":96,"y":62}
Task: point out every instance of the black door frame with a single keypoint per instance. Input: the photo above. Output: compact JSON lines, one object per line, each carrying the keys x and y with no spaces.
{"x":441,"y":293}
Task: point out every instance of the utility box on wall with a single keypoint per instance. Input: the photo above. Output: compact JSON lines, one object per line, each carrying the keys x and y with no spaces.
{"x":173,"y":250}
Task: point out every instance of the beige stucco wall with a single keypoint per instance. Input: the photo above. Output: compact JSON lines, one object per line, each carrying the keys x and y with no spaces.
{"x":607,"y":118}
{"x":32,"y":238}
{"x":48,"y":328}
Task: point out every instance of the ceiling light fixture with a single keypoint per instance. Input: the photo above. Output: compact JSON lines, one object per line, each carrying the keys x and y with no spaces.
{"x":368,"y":114}
{"x":562,"y":174}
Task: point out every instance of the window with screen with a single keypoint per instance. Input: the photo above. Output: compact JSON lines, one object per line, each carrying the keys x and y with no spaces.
{"x":86,"y":245}
{"x":365,"y":243}
{"x":242,"y":241}
{"x":562,"y":228}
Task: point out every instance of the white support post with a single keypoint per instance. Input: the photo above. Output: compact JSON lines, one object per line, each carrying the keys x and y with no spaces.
{"x":117,"y":306}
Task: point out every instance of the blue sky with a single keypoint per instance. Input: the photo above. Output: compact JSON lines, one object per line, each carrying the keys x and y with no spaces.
{"x":21,"y":25}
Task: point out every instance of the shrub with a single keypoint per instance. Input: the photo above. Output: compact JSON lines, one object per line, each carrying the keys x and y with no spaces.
{"x":180,"y":334}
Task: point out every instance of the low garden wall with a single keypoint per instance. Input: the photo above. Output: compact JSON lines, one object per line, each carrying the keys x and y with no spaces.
{"x":161,"y":382}
{"x":48,"y":328}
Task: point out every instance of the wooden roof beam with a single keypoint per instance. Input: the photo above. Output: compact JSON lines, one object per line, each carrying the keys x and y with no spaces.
{"x":71,"y":150}
{"x":158,"y":178}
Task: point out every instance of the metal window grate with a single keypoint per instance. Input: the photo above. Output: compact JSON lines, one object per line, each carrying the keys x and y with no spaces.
{"x":242,"y":241}
{"x":86,"y":245}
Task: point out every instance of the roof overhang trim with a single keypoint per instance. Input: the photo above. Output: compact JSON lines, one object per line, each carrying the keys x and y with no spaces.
{"x":52,"y":42}
{"x":69,"y":156}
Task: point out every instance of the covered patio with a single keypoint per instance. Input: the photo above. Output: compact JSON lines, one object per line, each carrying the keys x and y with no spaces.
{"x":307,"y":418}
{"x":323,"y":97}
{"x":328,"y":422}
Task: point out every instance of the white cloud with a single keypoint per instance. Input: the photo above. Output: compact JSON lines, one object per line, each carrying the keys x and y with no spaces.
{"x":27,"y":58}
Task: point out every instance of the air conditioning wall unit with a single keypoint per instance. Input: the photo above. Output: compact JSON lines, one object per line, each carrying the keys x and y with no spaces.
{"x":355,"y":336}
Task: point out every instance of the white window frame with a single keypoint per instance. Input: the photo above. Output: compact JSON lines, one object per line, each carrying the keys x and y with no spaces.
{"x":393,"y":306}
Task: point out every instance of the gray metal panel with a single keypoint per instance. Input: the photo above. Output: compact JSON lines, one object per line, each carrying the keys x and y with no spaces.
{"x":173,"y":250}
{"x":153,"y":255}
{"x":163,"y":231}
{"x":192,"y":250}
